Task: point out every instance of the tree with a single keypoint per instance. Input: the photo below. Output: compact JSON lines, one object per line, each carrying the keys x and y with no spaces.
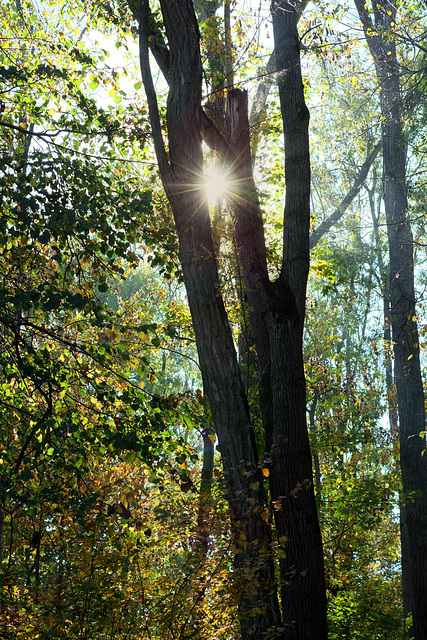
{"x":277,"y":310}
{"x":72,"y":370}
{"x":379,"y":31}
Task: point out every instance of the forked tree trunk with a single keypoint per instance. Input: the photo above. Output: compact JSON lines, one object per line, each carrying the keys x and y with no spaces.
{"x":182,"y":175}
{"x":409,"y":386}
{"x":277,"y":316}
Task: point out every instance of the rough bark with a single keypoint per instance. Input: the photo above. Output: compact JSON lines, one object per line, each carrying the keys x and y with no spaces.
{"x":181,"y":173}
{"x":303,"y":588}
{"x":409,"y":387}
{"x":407,"y":588}
{"x":276,"y":315}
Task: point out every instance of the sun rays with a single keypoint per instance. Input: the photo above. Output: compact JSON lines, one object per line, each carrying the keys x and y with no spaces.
{"x":217,"y":184}
{"x":214,"y":186}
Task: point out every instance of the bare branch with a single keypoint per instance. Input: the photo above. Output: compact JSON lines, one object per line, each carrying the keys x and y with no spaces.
{"x":345,"y":203}
{"x":150,"y":92}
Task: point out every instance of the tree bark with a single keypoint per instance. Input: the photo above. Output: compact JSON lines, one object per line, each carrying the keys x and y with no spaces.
{"x":303,"y":586}
{"x":409,"y":386}
{"x":182,"y":176}
{"x":407,"y":588}
{"x":276,"y":314}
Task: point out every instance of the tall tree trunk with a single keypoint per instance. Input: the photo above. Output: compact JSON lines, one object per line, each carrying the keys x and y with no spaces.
{"x":407,"y":588}
{"x":302,"y":574}
{"x":277,"y":311}
{"x":276,"y":314}
{"x":409,"y":386}
{"x":182,"y":172}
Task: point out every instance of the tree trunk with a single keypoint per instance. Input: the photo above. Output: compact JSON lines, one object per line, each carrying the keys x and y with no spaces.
{"x":182,"y":176}
{"x":277,"y":316}
{"x":205,"y":495}
{"x":277,"y":311}
{"x":407,"y":589}
{"x":409,"y":386}
{"x":302,"y":573}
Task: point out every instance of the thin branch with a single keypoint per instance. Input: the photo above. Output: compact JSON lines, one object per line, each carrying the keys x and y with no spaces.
{"x":345,"y":203}
{"x":45,"y":138}
{"x":150,"y":92}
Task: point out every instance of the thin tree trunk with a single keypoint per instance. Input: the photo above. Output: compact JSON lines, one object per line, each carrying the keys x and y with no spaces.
{"x":205,"y":495}
{"x":409,"y":385}
{"x":407,"y":587}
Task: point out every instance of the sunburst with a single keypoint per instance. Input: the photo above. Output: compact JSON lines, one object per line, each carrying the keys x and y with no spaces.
{"x":217,"y":184}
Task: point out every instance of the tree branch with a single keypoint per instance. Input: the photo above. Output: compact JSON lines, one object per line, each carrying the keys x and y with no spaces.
{"x":263,"y":88}
{"x":150,"y":92}
{"x":345,"y":203}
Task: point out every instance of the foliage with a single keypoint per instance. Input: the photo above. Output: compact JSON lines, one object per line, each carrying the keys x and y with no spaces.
{"x":73,"y":220}
{"x":117,"y":559}
{"x":99,"y":413}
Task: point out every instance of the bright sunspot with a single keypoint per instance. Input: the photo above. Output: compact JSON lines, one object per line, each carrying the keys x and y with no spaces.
{"x":216,"y":184}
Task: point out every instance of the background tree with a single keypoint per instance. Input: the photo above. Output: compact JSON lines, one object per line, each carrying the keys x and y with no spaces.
{"x":403,"y":318}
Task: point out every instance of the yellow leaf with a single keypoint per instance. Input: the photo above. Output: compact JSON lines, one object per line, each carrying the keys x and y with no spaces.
{"x":266,"y":472}
{"x":265,"y":515}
